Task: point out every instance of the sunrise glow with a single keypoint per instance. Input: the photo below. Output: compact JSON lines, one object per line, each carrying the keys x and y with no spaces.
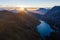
{"x":21,"y":9}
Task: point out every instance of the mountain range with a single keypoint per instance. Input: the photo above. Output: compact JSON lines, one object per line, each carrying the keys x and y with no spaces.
{"x":53,"y":16}
{"x":38,"y":13}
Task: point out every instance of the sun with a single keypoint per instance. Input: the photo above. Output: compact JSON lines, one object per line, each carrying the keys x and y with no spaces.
{"x":21,"y":9}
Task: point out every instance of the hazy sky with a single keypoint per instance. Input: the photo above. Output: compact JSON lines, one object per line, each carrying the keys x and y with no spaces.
{"x":30,"y":3}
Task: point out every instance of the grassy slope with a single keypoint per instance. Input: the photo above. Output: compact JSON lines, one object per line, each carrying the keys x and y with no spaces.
{"x":17,"y":26}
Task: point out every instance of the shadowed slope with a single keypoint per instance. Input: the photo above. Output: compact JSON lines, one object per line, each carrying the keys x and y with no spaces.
{"x":18,"y":26}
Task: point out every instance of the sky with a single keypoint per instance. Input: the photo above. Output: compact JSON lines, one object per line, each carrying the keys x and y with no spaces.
{"x":30,"y":3}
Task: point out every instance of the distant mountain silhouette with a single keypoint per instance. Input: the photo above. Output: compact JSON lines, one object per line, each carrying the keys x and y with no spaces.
{"x":14,"y":11}
{"x":2,"y":9}
{"x":44,"y":10}
{"x":38,"y":13}
{"x":53,"y":16}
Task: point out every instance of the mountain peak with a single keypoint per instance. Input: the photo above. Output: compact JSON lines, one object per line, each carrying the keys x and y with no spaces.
{"x":56,"y":8}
